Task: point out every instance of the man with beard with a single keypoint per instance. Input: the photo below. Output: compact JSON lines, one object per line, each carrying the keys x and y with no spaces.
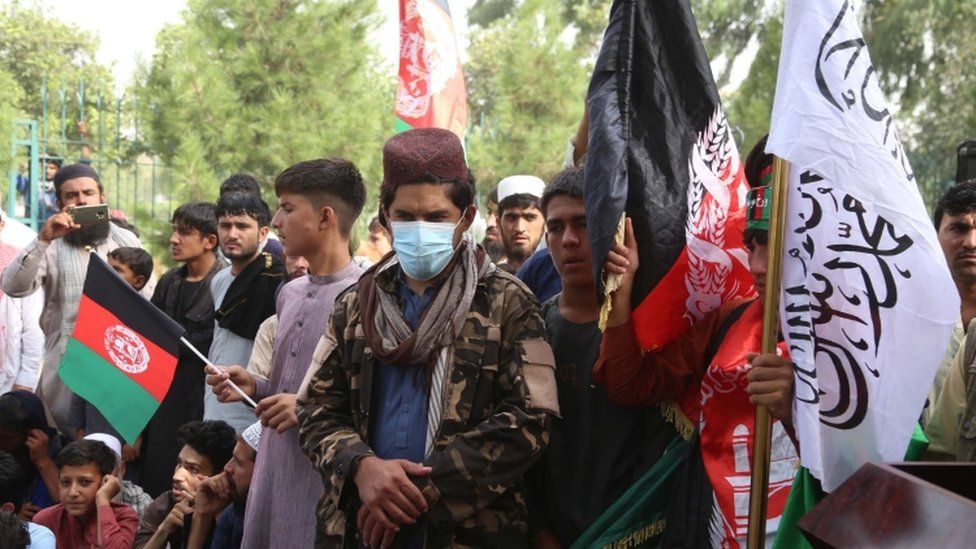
{"x":224,"y":497}
{"x":244,"y":295}
{"x":183,"y":293}
{"x":519,"y":218}
{"x":57,"y":263}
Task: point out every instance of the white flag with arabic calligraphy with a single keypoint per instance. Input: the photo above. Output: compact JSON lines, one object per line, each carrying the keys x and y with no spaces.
{"x":867,"y":303}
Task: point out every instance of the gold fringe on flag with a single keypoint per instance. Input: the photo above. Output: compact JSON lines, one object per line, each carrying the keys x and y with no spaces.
{"x":611,"y":281}
{"x":672,"y":414}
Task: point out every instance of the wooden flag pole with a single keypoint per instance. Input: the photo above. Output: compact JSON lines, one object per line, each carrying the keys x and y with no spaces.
{"x":762,"y":434}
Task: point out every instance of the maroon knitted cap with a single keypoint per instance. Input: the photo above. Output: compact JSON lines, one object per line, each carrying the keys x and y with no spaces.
{"x":411,"y":155}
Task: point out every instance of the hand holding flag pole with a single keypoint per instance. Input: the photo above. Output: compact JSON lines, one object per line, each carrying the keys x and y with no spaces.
{"x":759,"y":487}
{"x":210,"y":365}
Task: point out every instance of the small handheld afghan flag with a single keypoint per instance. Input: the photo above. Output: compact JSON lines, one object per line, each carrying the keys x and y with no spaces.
{"x":122,"y":354}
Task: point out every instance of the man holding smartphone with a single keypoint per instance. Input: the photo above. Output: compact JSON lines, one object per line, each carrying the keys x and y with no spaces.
{"x":57,"y":262}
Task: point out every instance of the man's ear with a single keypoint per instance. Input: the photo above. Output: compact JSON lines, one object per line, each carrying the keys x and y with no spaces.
{"x":210,"y":242}
{"x":263,"y":233}
{"x":467,"y":218}
{"x":140,"y":282}
{"x":328,"y":216}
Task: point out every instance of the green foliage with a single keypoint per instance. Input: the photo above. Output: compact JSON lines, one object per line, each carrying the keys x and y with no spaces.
{"x":10,"y":97}
{"x":257,"y":85}
{"x":526,"y":87}
{"x":45,"y":56}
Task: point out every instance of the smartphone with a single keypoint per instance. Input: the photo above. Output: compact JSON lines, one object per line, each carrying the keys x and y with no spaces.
{"x":89,"y":215}
{"x":966,"y":161}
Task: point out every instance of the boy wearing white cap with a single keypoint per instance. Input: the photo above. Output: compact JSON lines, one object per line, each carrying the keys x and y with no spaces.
{"x":131,"y":493}
{"x":519,"y":218}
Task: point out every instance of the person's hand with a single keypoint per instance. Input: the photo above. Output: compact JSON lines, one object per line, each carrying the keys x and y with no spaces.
{"x":28,"y":510}
{"x":771,"y":384}
{"x":213,"y":495}
{"x":57,"y":226}
{"x":83,"y":128}
{"x":378,"y":536}
{"x":22,"y":388}
{"x":174,"y":520}
{"x":623,"y":259}
{"x":37,"y":445}
{"x":545,"y":539}
{"x":109,"y":489}
{"x":278,"y":412}
{"x":219,"y":377}
{"x":132,"y":453}
{"x":389,"y":498}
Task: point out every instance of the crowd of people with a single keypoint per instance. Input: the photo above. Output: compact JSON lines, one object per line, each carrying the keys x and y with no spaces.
{"x":431,"y":390}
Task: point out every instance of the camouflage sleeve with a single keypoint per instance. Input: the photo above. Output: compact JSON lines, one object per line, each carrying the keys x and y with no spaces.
{"x":326,"y":432}
{"x":480,"y":464}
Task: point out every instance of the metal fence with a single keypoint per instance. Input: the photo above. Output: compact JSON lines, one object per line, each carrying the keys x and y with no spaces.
{"x":75,"y":126}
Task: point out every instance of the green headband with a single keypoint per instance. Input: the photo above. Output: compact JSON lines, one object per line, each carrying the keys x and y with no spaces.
{"x":759,"y":201}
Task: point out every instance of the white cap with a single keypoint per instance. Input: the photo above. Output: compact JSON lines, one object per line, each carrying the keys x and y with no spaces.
{"x":520,"y":184}
{"x":252,"y":435}
{"x":108,"y":440}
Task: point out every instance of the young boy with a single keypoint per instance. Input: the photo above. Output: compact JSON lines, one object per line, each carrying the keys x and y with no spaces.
{"x":318,"y":202}
{"x":87,"y":516}
{"x":134,"y":265}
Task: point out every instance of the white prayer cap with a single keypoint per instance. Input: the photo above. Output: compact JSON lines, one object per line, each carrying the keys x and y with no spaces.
{"x":252,"y":435}
{"x":108,"y":440}
{"x":520,"y":184}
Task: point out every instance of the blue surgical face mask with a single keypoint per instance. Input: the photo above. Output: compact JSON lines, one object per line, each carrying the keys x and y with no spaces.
{"x":423,"y":248}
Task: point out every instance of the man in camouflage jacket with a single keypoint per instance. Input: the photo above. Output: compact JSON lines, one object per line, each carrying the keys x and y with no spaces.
{"x":489,"y":390}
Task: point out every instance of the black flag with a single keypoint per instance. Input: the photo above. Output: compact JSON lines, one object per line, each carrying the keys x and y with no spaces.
{"x":661,"y":150}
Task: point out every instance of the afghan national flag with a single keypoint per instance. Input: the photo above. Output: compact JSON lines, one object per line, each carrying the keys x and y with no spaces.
{"x":661,"y":150}
{"x":430,"y":91}
{"x":122,"y":353}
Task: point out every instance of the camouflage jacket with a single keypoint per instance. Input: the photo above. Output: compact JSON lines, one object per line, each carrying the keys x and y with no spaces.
{"x":499,"y":393}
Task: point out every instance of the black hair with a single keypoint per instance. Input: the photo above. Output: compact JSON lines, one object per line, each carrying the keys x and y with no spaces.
{"x":756,"y":162}
{"x":13,"y":484}
{"x":136,"y":259}
{"x":238,"y":203}
{"x":13,"y":532}
{"x":52,"y":158}
{"x":14,"y":414}
{"x":241,"y":183}
{"x":568,"y":182}
{"x":376,"y":225}
{"x":461,"y":192}
{"x":82,"y":452}
{"x":214,"y":439}
{"x":520,"y":201}
{"x":335,"y":181}
{"x":201,"y":216}
{"x":958,"y":199}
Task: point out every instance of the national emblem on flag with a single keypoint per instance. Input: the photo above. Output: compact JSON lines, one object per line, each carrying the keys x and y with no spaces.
{"x":430,"y":89}
{"x":122,"y":353}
